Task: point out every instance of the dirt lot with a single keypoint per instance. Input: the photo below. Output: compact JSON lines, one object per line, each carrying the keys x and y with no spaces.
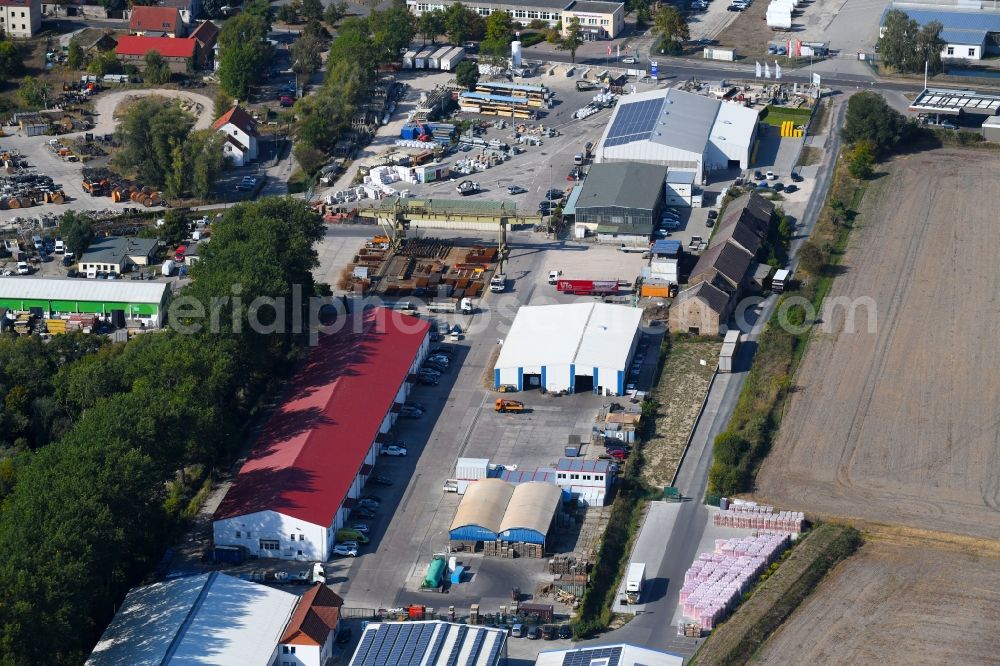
{"x":900,"y":426}
{"x":896,"y":602}
{"x":682,"y":387}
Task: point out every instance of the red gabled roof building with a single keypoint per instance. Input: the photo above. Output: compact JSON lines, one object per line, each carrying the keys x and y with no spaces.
{"x":314,"y":621}
{"x":314,"y":453}
{"x":205,"y":35}
{"x":179,"y":53}
{"x":156,"y":21}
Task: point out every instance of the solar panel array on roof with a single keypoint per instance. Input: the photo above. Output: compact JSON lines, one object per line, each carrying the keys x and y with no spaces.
{"x":477,"y":645}
{"x":634,"y":122}
{"x":457,"y":648}
{"x":586,"y":657}
{"x":495,"y":650}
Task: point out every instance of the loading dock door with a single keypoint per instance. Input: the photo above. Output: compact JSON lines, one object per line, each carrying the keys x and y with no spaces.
{"x":583,"y":384}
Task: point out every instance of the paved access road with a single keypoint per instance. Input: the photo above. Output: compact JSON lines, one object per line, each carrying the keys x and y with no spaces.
{"x":686,"y":522}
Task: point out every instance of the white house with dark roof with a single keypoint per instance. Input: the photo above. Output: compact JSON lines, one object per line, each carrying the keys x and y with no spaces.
{"x":241,"y":135}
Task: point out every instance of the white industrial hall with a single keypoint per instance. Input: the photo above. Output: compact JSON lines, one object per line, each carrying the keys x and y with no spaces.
{"x":579,"y":347}
{"x":680,"y":130}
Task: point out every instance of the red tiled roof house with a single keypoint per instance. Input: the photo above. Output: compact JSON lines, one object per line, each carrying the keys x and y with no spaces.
{"x":312,"y":628}
{"x":156,"y":22}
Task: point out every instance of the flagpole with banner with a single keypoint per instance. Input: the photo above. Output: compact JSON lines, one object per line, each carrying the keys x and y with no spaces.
{"x":767,"y":71}
{"x":757,"y":73}
{"x":777,"y":70}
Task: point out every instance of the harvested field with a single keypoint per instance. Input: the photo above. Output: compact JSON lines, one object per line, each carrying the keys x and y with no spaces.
{"x":898,"y":425}
{"x":680,"y":392}
{"x":896,"y":601}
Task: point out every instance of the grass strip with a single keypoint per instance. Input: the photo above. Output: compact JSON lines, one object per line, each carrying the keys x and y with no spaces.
{"x":775,"y":115}
{"x":782,"y":590}
{"x":746,"y":441}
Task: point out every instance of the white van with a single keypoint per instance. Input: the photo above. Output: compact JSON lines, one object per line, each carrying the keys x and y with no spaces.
{"x":554,"y":276}
{"x":37,"y":241}
{"x":60,"y":246}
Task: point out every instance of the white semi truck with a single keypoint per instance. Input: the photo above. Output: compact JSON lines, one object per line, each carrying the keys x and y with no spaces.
{"x":634,"y":581}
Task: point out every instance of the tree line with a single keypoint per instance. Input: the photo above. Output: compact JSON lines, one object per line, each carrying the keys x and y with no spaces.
{"x":98,"y":437}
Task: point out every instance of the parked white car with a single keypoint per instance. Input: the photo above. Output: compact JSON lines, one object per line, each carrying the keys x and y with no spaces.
{"x":345,"y":550}
{"x":394,"y":451}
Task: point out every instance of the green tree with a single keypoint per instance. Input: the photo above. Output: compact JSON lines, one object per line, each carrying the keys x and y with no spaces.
{"x":156,"y":70}
{"x":75,"y":57}
{"x":239,"y":69}
{"x":499,"y":33}
{"x":307,"y":54}
{"x":392,"y":31}
{"x":335,"y":12}
{"x":929,"y":46}
{"x":11,"y":59}
{"x":33,"y":92}
{"x":812,"y":258}
{"x":244,"y":52}
{"x":312,"y":10}
{"x":672,"y":29}
{"x":861,"y":162}
{"x":204,"y":149}
{"x":258,"y":9}
{"x":430,"y":24}
{"x":573,"y":38}
{"x":102,"y":63}
{"x":287,"y":14}
{"x":896,"y":46}
{"x":467,"y":74}
{"x":457,"y":23}
{"x":870,"y":118}
{"x":77,"y":231}
{"x":239,"y":240}
{"x":148,"y":135}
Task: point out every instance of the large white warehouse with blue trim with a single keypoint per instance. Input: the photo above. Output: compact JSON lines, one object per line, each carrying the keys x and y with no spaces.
{"x":578,"y":347}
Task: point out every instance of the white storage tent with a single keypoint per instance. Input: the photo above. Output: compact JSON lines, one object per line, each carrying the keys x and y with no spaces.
{"x":573,"y":347}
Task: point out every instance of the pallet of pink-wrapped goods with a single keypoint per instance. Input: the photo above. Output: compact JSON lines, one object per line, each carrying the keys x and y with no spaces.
{"x":750,"y":515}
{"x":717,"y":581}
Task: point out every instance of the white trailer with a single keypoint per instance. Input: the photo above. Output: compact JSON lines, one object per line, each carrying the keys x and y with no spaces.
{"x":779,"y":20}
{"x":716,"y":53}
{"x":452,"y":58}
{"x":780,"y":280}
{"x":434,"y":62}
{"x":408,"y":59}
{"x":730,"y":346}
{"x":420,"y":60}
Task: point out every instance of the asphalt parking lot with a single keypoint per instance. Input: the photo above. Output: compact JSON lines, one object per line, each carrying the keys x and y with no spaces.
{"x":538,"y":168}
{"x":416,"y":514}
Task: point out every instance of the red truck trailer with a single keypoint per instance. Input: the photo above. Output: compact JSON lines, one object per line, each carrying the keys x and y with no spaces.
{"x":588,"y":287}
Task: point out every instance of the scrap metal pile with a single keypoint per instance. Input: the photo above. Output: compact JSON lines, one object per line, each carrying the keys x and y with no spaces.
{"x":22,"y":187}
